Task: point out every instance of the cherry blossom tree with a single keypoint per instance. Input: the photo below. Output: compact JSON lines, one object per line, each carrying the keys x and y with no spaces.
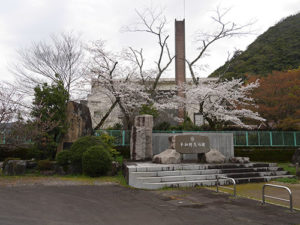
{"x":119,"y":81}
{"x":218,"y":102}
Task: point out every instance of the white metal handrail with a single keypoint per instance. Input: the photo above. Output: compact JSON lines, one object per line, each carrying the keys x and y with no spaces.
{"x":227,"y":178}
{"x":282,"y":199}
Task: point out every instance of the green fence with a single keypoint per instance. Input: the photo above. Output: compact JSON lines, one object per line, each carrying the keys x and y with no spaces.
{"x":240,"y":138}
{"x":122,"y":137}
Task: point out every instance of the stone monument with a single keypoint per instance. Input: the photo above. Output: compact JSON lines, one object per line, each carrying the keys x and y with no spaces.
{"x":141,"y":138}
{"x":80,"y":124}
{"x":191,"y":144}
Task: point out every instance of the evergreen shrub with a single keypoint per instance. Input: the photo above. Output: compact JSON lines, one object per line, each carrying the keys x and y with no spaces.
{"x":63,"y":159}
{"x":83,"y":144}
{"x":96,"y":161}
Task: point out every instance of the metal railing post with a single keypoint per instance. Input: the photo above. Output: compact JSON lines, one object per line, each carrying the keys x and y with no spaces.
{"x":227,"y":178}
{"x":123,"y":137}
{"x":234,"y":187}
{"x":282,"y":199}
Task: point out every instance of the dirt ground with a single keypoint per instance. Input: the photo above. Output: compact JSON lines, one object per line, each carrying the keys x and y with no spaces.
{"x":56,"y":201}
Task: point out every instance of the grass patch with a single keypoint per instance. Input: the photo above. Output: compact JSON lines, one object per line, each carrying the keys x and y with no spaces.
{"x":288,"y":180}
{"x":288,"y":167}
{"x":85,"y":180}
{"x":119,"y":179}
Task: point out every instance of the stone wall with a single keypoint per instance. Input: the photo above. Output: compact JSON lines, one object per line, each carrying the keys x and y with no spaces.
{"x":220,"y":141}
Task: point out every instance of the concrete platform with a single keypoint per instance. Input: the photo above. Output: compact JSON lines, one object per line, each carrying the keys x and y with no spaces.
{"x":148,"y":175}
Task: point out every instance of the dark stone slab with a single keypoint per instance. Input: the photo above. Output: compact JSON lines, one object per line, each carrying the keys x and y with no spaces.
{"x":191,"y":144}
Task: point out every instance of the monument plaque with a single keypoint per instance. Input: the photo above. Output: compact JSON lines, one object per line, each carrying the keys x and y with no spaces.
{"x":191,"y":144}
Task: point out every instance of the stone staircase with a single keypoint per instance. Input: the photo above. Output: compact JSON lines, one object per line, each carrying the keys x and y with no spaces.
{"x":155,"y":176}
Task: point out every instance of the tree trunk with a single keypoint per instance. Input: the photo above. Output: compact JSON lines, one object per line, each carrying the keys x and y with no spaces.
{"x":106,"y":115}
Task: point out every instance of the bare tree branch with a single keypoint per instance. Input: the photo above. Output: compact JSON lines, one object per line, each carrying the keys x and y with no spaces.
{"x":153,"y":22}
{"x":225,"y":30}
{"x":61,"y":59}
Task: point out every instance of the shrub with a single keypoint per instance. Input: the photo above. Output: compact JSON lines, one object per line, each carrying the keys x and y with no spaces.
{"x":45,"y":165}
{"x":268,"y":155}
{"x":11,"y":151}
{"x":44,"y":147}
{"x":63,"y":159}
{"x":96,"y":161}
{"x":34,"y":153}
{"x":108,"y":140}
{"x":81,"y":145}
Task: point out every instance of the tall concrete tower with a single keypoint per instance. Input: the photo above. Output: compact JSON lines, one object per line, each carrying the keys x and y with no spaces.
{"x":180,"y":60}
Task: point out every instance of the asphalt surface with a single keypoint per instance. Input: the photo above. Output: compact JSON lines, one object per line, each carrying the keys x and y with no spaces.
{"x":116,"y":205}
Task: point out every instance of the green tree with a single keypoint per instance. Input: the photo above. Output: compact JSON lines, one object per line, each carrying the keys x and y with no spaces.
{"x":49,"y":112}
{"x":277,"y":49}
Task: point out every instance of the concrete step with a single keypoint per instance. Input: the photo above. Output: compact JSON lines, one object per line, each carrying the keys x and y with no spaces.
{"x":154,"y":176}
{"x":176,"y":178}
{"x":203,"y":172}
{"x":255,"y":169}
{"x":151,"y":167}
{"x":256,"y":174}
{"x":195,"y":183}
{"x":155,"y":179}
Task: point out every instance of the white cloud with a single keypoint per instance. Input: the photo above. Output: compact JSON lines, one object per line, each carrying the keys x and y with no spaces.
{"x":25,"y":21}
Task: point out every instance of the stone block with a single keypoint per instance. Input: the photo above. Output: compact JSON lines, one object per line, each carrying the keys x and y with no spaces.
{"x":31,"y":164}
{"x":240,"y":160}
{"x":169,"y":156}
{"x":214,"y":156}
{"x":15,"y":167}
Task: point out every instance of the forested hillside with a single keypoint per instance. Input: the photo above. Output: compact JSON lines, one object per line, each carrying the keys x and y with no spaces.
{"x":277,"y":49}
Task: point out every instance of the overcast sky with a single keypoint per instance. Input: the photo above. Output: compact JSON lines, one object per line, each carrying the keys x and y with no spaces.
{"x":25,"y":21}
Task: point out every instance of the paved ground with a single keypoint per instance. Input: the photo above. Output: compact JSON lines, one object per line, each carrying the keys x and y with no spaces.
{"x":115,"y":205}
{"x":254,"y":190}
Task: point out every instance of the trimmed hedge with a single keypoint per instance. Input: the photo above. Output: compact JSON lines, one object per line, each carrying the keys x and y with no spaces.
{"x":79,"y":147}
{"x":45,"y":165}
{"x":96,"y":161}
{"x":82,"y":145}
{"x":12,"y":151}
{"x":267,"y":155}
{"x":63,"y":159}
